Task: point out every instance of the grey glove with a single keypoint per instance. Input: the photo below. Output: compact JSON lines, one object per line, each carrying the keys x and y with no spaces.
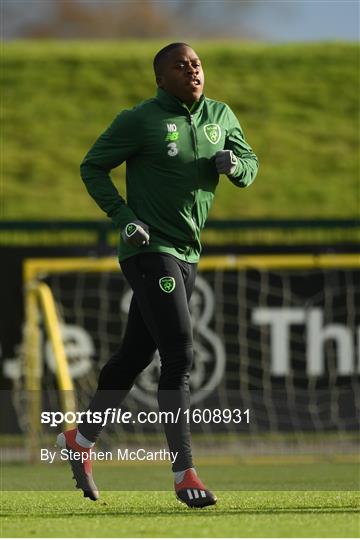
{"x":136,"y":234}
{"x":225,"y":161}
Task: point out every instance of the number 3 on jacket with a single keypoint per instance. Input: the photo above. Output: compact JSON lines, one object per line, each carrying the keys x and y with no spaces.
{"x":173,"y":149}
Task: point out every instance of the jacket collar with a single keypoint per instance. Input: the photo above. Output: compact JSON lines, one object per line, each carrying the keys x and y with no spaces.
{"x":173,"y":104}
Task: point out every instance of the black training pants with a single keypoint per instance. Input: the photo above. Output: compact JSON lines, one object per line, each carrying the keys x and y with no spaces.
{"x":157,"y":320}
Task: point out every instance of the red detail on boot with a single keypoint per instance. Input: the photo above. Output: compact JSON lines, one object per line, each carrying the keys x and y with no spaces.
{"x":71,"y":443}
{"x":190,"y":480}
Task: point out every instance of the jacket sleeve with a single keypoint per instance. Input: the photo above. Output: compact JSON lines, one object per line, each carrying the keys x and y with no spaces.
{"x":117,"y":144}
{"x":248,"y":164}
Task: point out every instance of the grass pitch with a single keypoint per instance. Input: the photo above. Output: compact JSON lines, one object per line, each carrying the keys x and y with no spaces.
{"x":330,"y":512}
{"x":158,"y":514}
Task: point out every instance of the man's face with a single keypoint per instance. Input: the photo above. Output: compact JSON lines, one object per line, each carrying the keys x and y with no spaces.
{"x":181,"y":75}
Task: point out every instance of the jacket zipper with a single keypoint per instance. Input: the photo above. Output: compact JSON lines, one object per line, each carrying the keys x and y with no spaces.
{"x":193,"y":130}
{"x":194,"y":137}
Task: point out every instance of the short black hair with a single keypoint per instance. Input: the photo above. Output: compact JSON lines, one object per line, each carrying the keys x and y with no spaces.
{"x":160,"y":56}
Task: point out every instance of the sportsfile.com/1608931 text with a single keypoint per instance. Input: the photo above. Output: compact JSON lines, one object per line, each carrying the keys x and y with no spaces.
{"x":118,"y":416}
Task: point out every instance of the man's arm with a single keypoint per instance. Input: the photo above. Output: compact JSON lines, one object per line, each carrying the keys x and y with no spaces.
{"x":237,"y":160}
{"x":118,"y":143}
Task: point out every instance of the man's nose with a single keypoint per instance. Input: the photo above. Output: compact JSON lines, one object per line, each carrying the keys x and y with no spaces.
{"x":192,"y":69}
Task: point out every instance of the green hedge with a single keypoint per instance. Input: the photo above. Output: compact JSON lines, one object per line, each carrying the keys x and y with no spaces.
{"x":298,"y":105}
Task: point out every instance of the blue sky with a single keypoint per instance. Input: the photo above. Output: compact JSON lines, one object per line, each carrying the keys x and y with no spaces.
{"x":308,"y":20}
{"x":263,"y":20}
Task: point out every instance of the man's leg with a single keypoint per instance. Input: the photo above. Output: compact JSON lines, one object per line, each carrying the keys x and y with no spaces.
{"x":159,"y":287}
{"x":118,"y":374}
{"x":115,"y":381}
{"x":162,"y":286}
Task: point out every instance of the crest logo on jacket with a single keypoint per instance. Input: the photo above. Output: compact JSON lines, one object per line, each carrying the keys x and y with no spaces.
{"x":213,"y":133}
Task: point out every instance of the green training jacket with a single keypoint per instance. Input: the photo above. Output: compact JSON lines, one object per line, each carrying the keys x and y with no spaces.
{"x":171,"y":175}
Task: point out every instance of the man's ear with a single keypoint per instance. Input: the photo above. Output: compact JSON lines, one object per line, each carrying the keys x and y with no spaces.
{"x":159,"y":80}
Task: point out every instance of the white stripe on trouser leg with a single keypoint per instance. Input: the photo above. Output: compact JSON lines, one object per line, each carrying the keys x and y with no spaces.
{"x":202,"y":493}
{"x":189,"y":494}
{"x":196,"y":493}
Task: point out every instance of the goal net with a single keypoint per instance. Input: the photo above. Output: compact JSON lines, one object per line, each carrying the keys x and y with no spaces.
{"x":276,"y":337}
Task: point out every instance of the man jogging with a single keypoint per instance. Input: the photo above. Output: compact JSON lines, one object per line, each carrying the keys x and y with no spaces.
{"x":175,"y":145}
